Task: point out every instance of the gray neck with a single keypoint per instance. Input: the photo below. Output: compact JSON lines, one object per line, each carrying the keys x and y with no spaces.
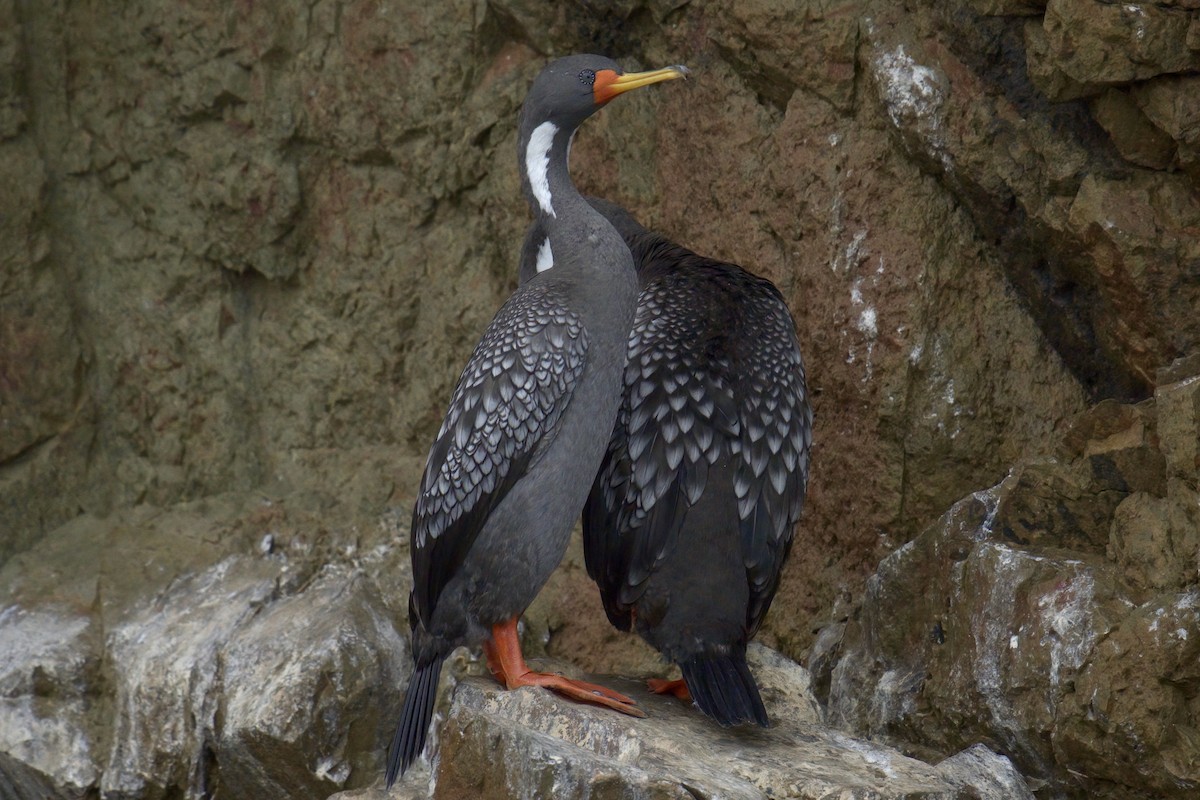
{"x":559,"y":209}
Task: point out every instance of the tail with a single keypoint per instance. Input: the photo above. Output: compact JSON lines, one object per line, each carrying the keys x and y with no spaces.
{"x":409,"y":740}
{"x":722,"y":686}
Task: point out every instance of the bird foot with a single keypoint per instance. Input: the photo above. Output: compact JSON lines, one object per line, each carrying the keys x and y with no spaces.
{"x":507,"y":664}
{"x":578,"y":690}
{"x":676,"y":687}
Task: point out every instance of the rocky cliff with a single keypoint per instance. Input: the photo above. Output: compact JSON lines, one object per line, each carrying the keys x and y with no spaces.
{"x":246,"y":247}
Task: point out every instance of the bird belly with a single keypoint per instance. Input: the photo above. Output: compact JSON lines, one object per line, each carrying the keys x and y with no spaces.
{"x":525,"y":537}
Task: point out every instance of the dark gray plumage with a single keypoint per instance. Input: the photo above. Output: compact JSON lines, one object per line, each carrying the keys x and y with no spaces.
{"x":528,"y":421}
{"x":691,"y":515}
{"x":508,"y":404}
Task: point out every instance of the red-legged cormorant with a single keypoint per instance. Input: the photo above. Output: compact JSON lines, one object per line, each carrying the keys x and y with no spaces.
{"x":529,"y":420}
{"x":691,"y":514}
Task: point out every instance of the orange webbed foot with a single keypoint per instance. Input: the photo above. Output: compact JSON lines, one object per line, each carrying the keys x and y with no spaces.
{"x":507,"y":664}
{"x":676,"y":687}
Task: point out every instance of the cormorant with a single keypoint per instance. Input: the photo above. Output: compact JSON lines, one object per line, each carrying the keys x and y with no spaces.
{"x":528,"y":422}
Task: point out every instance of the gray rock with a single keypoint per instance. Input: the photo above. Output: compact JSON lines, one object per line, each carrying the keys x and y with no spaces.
{"x":531,"y":743}
{"x":258,"y":676}
{"x":989,"y":774}
{"x":48,"y":665}
{"x":501,"y":744}
{"x":786,"y":687}
{"x":168,"y":679}
{"x":312,"y":686}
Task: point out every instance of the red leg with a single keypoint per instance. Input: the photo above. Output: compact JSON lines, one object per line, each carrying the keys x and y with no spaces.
{"x":675,"y":687}
{"x":508,"y":665}
{"x":493,"y":662}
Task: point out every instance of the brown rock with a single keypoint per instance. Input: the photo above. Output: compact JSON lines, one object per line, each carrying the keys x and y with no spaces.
{"x":778,"y":46}
{"x":1107,"y":43}
{"x":13,"y":102}
{"x":1155,"y":540}
{"x":1178,"y":405}
{"x":1070,"y":656}
{"x":1131,"y":719}
{"x":1137,"y":231}
{"x":38,"y":365}
{"x":1135,"y":136}
{"x":1171,"y":103}
{"x":1044,"y":70}
{"x":1001,"y":8}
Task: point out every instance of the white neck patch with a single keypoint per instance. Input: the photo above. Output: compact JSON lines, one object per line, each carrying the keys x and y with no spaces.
{"x":545,"y":258}
{"x":537,"y":164}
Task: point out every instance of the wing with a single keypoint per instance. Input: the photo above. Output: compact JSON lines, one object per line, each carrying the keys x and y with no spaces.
{"x":505,"y":410}
{"x":677,"y":417}
{"x":772,"y":453}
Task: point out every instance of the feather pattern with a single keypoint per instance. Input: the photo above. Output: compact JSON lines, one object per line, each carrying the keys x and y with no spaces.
{"x":504,"y":411}
{"x":772,"y":465}
{"x":714,"y":390}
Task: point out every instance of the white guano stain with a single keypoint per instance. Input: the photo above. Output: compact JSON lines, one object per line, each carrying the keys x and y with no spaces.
{"x":866,"y":321}
{"x":847,"y":258}
{"x":914,"y":97}
{"x":1067,"y":615}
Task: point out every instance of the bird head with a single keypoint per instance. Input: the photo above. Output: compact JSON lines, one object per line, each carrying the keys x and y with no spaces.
{"x":565,"y":93}
{"x":569,"y":90}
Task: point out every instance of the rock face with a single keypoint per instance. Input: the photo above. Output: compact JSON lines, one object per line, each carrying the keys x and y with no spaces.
{"x":250,"y":243}
{"x":1055,"y":616}
{"x":245,"y":249}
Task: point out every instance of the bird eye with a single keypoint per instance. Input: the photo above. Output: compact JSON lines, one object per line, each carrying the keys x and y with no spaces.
{"x":587,"y":77}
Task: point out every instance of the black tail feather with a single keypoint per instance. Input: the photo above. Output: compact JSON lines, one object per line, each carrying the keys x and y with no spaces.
{"x":410,"y":736}
{"x":723,"y":688}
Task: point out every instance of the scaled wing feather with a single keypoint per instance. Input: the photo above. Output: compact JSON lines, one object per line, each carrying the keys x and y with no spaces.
{"x":505,"y":410}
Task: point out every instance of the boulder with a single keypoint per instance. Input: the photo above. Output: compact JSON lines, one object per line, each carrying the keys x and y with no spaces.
{"x":311,"y":689}
{"x":1053,"y":616}
{"x":532,"y":743}
{"x":276,"y":671}
{"x":1115,"y":43}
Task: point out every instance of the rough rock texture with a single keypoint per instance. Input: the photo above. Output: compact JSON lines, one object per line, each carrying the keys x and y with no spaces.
{"x":211,"y":649}
{"x":254,"y":240}
{"x":1055,"y":616}
{"x":245,"y":249}
{"x":531,"y":743}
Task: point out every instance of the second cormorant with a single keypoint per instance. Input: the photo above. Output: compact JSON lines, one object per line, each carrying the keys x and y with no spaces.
{"x":691,"y":514}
